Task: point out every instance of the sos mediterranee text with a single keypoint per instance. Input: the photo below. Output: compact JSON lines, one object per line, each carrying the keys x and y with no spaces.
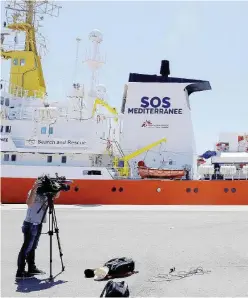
{"x":155,"y":105}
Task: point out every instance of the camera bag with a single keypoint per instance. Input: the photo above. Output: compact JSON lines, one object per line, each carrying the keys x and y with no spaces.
{"x":115,"y":289}
{"x":120,"y":266}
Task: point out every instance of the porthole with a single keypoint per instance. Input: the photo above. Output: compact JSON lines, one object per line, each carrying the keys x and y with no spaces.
{"x":233,"y":190}
{"x":196,"y":190}
{"x":226,"y":190}
{"x":113,"y":189}
{"x":188,"y":189}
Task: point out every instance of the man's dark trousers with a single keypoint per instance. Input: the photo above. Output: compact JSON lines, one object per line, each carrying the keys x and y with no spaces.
{"x":31,"y":234}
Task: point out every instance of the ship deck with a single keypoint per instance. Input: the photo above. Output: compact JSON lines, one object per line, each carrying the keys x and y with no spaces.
{"x":156,"y":237}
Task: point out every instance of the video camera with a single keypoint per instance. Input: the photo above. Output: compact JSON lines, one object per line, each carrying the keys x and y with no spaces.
{"x":53,"y":185}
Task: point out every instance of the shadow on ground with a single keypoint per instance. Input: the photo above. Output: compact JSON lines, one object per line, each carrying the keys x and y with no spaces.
{"x":34,"y":285}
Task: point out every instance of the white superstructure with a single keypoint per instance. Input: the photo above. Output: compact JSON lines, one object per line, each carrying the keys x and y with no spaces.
{"x":39,"y":132}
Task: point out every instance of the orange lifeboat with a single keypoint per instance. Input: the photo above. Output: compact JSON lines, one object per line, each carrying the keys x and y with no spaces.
{"x":152,"y":173}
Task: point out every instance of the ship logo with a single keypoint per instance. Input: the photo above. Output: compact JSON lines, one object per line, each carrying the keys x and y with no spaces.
{"x":149,"y":124}
{"x":31,"y":142}
{"x":146,"y":123}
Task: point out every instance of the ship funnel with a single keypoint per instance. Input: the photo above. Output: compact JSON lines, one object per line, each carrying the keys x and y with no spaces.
{"x":156,"y":107}
{"x":165,"y":68}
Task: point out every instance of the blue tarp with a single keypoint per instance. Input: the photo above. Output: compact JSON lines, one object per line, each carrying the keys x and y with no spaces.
{"x":208,"y":154}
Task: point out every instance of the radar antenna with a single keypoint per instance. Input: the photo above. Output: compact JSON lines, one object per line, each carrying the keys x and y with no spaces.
{"x":94,"y":59}
{"x":31,"y":12}
{"x":26,"y":16}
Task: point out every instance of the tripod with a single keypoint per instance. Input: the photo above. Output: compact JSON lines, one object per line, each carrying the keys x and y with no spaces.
{"x":53,"y":228}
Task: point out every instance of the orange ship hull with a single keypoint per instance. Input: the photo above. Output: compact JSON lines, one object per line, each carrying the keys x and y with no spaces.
{"x":137,"y":192}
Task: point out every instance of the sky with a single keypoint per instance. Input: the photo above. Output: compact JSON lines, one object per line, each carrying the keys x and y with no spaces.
{"x":202,"y":40}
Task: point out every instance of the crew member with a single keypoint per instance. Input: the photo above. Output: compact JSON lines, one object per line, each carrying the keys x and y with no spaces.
{"x":31,"y":228}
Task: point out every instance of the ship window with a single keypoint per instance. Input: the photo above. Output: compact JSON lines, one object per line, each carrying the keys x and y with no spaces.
{"x":50,"y":130}
{"x":15,"y":61}
{"x":92,"y":172}
{"x":7,"y":102}
{"x":6,"y":157}
{"x":2,"y":100}
{"x":22,"y":62}
{"x":8,"y":129}
{"x":63,"y":159}
{"x":13,"y":157}
{"x":43,"y":130}
{"x":49,"y":158}
{"x":1,"y":128}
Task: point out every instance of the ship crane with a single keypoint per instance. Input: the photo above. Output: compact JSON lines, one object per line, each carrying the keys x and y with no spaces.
{"x":121,"y":164}
{"x":103,"y":103}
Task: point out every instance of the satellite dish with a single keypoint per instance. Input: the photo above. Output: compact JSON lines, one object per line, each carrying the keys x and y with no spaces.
{"x":96,"y":36}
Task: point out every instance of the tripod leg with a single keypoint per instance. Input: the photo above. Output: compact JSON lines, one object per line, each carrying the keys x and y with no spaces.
{"x":50,"y":232}
{"x":56,"y":229}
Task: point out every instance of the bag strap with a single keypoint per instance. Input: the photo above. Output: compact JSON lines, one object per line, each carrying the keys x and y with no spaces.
{"x":105,"y":288}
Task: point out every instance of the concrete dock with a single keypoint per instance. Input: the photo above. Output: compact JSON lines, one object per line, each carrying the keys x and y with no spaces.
{"x":156,"y":237}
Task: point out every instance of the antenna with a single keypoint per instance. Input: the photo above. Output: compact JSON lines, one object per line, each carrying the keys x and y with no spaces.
{"x":94,"y":60}
{"x":76,"y":85}
{"x":30,"y":12}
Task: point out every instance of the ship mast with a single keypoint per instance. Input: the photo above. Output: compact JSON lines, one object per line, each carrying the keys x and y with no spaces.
{"x":76,"y":84}
{"x":26,"y":74}
{"x":94,"y":60}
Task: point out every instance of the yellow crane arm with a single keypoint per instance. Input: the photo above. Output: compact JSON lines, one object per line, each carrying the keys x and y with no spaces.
{"x":101,"y":102}
{"x":121,"y":164}
{"x":142,"y":150}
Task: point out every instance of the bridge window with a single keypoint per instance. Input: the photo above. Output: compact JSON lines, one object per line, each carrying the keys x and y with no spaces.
{"x":63,"y":159}
{"x":8,"y":129}
{"x":6,"y":157}
{"x":2,"y":100}
{"x":50,"y":130}
{"x":7,"y":102}
{"x":22,"y":62}
{"x":92,"y":172}
{"x":49,"y":158}
{"x":13,"y":157}
{"x":15,"y":61}
{"x":43,"y":130}
{"x":1,"y":128}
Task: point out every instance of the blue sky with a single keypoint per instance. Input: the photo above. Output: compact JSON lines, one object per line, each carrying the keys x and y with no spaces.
{"x":202,"y":40}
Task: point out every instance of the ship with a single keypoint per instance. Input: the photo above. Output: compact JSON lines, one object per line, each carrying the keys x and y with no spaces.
{"x":143,"y":155}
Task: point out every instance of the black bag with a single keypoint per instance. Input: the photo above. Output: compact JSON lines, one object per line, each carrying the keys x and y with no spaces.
{"x":115,"y":289}
{"x":120,"y":266}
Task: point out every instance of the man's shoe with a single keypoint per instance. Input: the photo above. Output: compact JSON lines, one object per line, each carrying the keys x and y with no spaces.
{"x":35,"y":271}
{"x":23,"y":275}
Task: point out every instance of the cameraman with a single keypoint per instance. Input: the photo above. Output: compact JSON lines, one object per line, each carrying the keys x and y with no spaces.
{"x":31,"y":228}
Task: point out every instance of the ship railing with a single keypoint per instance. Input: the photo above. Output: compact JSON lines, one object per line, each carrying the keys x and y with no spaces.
{"x":225,"y":172}
{"x":13,"y":46}
{"x":18,"y":91}
{"x":218,"y":174}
